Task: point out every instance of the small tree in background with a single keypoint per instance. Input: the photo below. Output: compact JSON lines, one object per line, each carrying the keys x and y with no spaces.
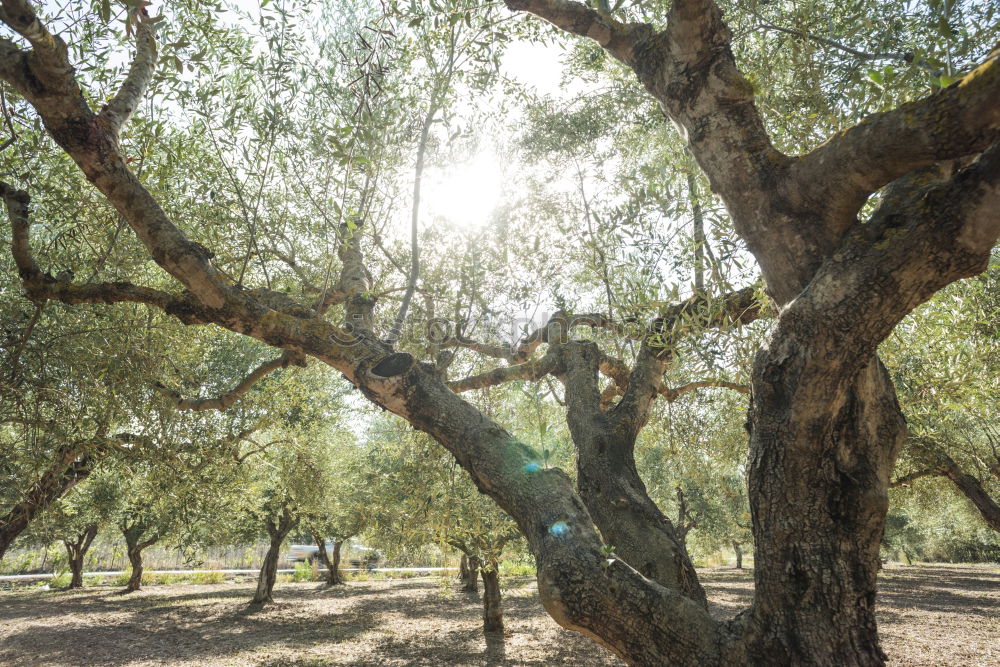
{"x":425,"y":498}
{"x":342,"y":508}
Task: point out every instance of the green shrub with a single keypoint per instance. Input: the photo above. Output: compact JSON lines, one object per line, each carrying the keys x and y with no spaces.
{"x":304,"y":572}
{"x":61,"y":580}
{"x":510,"y":568}
{"x":208,"y":578}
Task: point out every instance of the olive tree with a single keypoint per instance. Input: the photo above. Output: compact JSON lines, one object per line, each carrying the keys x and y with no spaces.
{"x":843,"y":269}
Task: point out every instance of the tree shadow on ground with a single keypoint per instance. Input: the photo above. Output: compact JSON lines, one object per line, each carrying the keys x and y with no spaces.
{"x":413,"y":622}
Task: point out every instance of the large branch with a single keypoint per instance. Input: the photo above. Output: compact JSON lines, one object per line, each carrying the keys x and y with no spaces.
{"x":121,"y":107}
{"x":42,"y":286}
{"x":697,"y":314}
{"x":620,"y":39}
{"x":972,"y":489}
{"x":556,"y":329}
{"x":533,"y":370}
{"x":70,"y":465}
{"x":228,"y":399}
{"x":962,"y":119}
{"x":933,"y":227}
{"x":45,"y":77}
{"x":909,"y":478}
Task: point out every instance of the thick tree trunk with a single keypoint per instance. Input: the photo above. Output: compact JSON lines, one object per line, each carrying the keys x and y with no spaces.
{"x":492,"y":610}
{"x":821,"y":452}
{"x":268,"y":573}
{"x":463,"y":568}
{"x":739,"y":555}
{"x":610,"y":486}
{"x":333,"y":577}
{"x":76,"y":550}
{"x":69,"y":467}
{"x":269,"y":569}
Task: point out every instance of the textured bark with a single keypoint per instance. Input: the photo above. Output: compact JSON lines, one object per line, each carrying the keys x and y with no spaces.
{"x":76,"y":550}
{"x":492,"y":610}
{"x":277,"y":531}
{"x":470,"y":583}
{"x":738,"y":548}
{"x":71,"y":465}
{"x":818,"y":486}
{"x":825,"y":427}
{"x":609,"y":482}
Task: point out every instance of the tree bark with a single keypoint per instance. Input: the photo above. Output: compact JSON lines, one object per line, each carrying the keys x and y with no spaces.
{"x":739,"y":555}
{"x":277,"y":532}
{"x":830,"y":448}
{"x":463,"y":569}
{"x":610,"y":485}
{"x":492,"y":610}
{"x":471,"y":582}
{"x":76,"y":550}
{"x":333,"y":576}
{"x":134,"y":546}
{"x":972,"y":489}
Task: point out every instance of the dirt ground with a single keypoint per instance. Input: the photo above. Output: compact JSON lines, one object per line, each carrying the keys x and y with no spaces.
{"x":927,"y":615}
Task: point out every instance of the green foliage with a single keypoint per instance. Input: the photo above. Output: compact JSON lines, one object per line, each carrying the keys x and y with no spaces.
{"x":304,"y":572}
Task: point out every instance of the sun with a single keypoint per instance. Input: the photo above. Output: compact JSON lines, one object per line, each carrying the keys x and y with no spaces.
{"x":465,"y":193}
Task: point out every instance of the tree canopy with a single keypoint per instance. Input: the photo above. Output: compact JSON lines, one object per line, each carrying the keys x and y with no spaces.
{"x":242,"y":197}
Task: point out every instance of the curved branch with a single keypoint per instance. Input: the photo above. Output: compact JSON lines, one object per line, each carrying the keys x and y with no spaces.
{"x":557,"y":329}
{"x":963,"y":119}
{"x":42,"y":286}
{"x":532,"y":370}
{"x":698,"y":313}
{"x":227,"y":400}
{"x":45,"y":77}
{"x":909,"y":478}
{"x":622,"y":40}
{"x":121,"y":107}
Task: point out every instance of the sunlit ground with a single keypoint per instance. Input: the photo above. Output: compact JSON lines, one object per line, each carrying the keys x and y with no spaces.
{"x":943,"y":615}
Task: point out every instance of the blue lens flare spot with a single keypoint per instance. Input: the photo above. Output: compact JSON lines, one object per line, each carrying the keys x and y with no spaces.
{"x":534,"y":466}
{"x":558,"y":529}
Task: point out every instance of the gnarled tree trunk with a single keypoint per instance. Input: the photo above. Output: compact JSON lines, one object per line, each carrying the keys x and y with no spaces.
{"x":332,"y":565}
{"x":76,"y":550}
{"x":277,"y":531}
{"x":134,"y":546}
